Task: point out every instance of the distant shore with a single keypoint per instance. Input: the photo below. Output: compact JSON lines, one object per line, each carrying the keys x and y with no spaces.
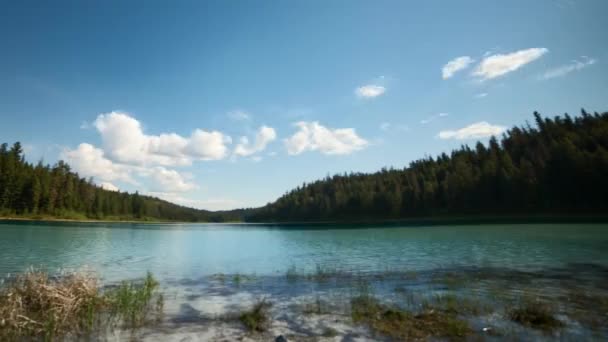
{"x":416,"y":221}
{"x":57,"y":219}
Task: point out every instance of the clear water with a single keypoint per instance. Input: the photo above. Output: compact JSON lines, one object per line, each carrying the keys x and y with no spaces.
{"x":565,"y":265}
{"x":176,"y":251}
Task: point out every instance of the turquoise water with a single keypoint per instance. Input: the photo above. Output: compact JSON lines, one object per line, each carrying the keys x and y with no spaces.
{"x":176,"y":251}
{"x":212,"y":271}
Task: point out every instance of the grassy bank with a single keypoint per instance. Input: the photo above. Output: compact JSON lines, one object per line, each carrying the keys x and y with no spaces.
{"x":38,"y":306}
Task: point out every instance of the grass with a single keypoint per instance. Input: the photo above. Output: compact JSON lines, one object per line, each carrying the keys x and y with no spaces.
{"x":292,"y":274}
{"x":257,"y":319}
{"x":132,"y":303}
{"x":535,"y":314}
{"x":37,"y":306}
{"x":457,"y":305}
{"x":318,"y":307}
{"x":399,"y":324}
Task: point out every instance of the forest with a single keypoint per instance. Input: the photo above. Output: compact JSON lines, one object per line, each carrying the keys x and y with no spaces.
{"x":558,"y":167}
{"x":55,"y":192}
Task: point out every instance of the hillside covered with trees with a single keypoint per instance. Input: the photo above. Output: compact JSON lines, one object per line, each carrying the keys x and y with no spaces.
{"x":558,"y":167}
{"x":44,"y":191}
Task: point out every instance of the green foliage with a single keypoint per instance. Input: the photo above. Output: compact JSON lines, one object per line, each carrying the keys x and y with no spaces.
{"x":558,"y":167}
{"x":55,"y":192}
{"x":257,"y":319}
{"x":403,"y":325}
{"x":132,"y":303}
{"x":535,"y":315}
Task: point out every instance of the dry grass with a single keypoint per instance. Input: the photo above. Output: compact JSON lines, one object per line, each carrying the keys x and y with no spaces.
{"x":36,"y":306}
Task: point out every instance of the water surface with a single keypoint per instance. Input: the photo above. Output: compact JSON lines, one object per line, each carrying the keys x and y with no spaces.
{"x":208,"y":270}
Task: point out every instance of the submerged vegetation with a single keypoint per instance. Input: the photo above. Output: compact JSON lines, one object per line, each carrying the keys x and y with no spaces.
{"x":36,"y":305}
{"x":400,"y":324}
{"x":257,"y":318}
{"x":536,"y":315}
{"x":557,"y":167}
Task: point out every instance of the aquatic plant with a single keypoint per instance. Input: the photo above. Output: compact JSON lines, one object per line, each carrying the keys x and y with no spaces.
{"x":458,"y":305}
{"x":37,"y":306}
{"x":535,"y":314}
{"x":131,"y":303}
{"x":292,"y":274}
{"x":404,"y":325}
{"x":257,"y":319}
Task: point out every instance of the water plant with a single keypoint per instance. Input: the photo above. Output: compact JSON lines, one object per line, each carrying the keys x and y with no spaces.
{"x":257,"y":319}
{"x":292,"y":274}
{"x":131,"y":302}
{"x":399,"y":324}
{"x":37,"y":306}
{"x":535,"y":314}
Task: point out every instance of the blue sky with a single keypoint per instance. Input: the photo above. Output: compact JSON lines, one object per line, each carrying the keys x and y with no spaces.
{"x":225,"y":104}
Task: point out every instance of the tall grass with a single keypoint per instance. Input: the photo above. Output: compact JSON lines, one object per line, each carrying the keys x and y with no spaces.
{"x":37,"y":306}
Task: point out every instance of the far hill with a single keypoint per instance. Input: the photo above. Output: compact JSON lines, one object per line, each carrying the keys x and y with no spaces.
{"x":559,"y":167}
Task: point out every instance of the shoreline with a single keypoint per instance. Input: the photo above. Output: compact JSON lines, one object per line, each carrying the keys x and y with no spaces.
{"x":418,"y":221}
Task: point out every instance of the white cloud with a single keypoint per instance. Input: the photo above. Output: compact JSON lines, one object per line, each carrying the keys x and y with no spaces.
{"x":207,"y":204}
{"x":370,"y":91}
{"x":239,"y":115}
{"x":312,"y":136}
{"x":568,"y":68}
{"x":263,"y":137}
{"x":124,"y":141}
{"x":108,"y":186}
{"x":475,"y":131}
{"x":166,"y":180}
{"x":500,"y":64}
{"x":433,"y":117}
{"x":90,"y":161}
{"x":205,"y":145}
{"x":455,"y":65}
{"x":387,"y":126}
{"x":480,"y":95}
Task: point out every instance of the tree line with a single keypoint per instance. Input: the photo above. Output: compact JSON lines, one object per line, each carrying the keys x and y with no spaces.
{"x":45,"y":191}
{"x":560,"y":166}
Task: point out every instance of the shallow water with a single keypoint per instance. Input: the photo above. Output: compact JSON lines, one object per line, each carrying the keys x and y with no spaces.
{"x":208,"y":271}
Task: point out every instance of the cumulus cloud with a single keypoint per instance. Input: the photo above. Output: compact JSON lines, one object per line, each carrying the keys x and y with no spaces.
{"x":108,"y":186}
{"x":500,"y":64}
{"x":370,"y":91}
{"x":311,"y":136}
{"x":166,"y":180}
{"x":90,"y":161}
{"x":263,"y":137}
{"x":124,"y":141}
{"x":455,"y":65}
{"x":475,"y":131}
{"x":433,"y":118}
{"x":563,"y":70}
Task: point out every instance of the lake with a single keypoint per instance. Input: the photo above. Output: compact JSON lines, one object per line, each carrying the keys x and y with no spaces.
{"x":208,"y":270}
